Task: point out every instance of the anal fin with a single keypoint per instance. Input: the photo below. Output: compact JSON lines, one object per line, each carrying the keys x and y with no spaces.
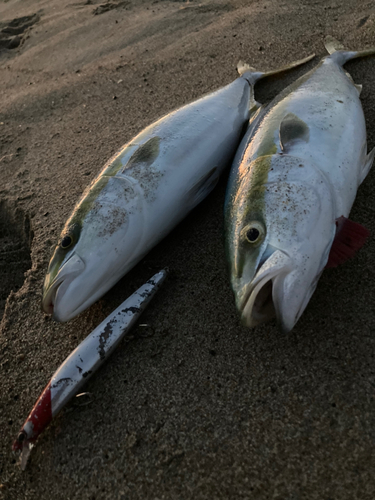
{"x":350,"y":237}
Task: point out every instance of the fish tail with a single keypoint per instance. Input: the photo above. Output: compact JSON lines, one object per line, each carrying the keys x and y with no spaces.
{"x":341,"y":55}
{"x":252,"y":75}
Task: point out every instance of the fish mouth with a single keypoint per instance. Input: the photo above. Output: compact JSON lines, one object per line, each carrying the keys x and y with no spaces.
{"x":258,"y":302}
{"x":70,"y":269}
{"x":48,"y":302}
{"x":258,"y":307}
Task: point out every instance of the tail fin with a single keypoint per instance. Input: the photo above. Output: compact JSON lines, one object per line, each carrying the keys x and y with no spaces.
{"x":340,"y":55}
{"x":252,"y":75}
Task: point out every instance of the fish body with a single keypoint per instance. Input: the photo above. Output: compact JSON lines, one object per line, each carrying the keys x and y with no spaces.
{"x":295,"y":175}
{"x":83,"y":362}
{"x":144,"y":191}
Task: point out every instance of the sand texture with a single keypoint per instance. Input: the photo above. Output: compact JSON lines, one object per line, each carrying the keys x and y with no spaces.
{"x":195,"y":406}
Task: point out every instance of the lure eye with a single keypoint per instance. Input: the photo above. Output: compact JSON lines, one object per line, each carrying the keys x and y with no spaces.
{"x":66,"y":242}
{"x":254,"y":233}
{"x":21,"y":437}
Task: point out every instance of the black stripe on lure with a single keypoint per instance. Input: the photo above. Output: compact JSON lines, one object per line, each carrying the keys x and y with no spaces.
{"x":82,"y":363}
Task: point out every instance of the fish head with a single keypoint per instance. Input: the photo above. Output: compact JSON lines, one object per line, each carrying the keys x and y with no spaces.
{"x":279,"y":229}
{"x":96,"y":247}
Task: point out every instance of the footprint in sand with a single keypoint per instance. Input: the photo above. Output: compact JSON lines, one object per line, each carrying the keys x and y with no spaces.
{"x":105,"y":7}
{"x":15,"y":242}
{"x":12,"y":34}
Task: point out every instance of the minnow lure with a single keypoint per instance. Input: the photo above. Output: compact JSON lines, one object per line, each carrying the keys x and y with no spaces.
{"x":82,"y":363}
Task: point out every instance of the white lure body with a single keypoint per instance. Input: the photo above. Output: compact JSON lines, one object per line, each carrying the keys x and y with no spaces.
{"x":85,"y":360}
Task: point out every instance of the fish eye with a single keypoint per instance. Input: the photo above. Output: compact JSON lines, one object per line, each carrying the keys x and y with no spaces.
{"x":254,"y":232}
{"x":66,"y":242}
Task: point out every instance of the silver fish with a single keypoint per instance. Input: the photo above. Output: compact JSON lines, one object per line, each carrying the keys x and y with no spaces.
{"x":291,"y":188}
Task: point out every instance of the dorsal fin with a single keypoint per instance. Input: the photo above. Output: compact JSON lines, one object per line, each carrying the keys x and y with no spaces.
{"x":243,"y":67}
{"x":332,"y":45}
{"x":350,"y":237}
{"x":292,"y":129}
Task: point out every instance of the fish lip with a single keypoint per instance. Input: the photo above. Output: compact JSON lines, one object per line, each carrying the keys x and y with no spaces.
{"x":73,"y":266}
{"x":285,"y":325}
{"x":48,"y":301}
{"x":275,"y":265}
{"x":56,"y":316}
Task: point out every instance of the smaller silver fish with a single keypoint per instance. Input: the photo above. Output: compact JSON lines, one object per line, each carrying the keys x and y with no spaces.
{"x":82,"y":363}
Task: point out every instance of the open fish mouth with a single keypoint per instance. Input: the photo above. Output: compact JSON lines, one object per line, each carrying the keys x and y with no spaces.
{"x":258,"y":303}
{"x":72,"y":268}
{"x":258,"y":308}
{"x":48,"y":301}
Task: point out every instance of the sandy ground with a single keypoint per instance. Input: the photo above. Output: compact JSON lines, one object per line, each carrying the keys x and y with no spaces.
{"x":198,"y":407}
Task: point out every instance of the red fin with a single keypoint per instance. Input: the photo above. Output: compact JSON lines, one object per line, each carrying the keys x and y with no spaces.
{"x":349,"y":238}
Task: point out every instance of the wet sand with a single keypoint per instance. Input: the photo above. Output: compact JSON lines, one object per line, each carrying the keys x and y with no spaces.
{"x":195,"y":405}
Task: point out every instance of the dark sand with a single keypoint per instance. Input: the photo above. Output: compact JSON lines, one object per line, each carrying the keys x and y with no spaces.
{"x":195,"y":406}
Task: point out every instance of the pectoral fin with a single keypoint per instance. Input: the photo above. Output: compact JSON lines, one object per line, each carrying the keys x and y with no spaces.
{"x":145,"y":154}
{"x":292,"y":130}
{"x":350,"y":237}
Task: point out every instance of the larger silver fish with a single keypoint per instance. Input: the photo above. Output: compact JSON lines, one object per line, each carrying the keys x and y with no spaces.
{"x":144,"y":191}
{"x":291,"y":189}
